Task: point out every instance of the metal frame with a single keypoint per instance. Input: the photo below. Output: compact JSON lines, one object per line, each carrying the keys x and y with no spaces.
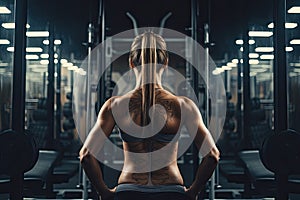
{"x":206,"y":42}
{"x":239,"y":97}
{"x":101,"y":90}
{"x":280,"y":83}
{"x":246,"y":85}
{"x":50,"y":86}
{"x":133,"y":22}
{"x":280,"y":68}
{"x":19,"y":67}
{"x":163,"y":21}
{"x":58,"y":95}
{"x":19,"y":83}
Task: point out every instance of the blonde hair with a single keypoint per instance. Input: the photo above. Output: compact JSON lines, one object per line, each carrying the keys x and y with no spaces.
{"x":148,"y":50}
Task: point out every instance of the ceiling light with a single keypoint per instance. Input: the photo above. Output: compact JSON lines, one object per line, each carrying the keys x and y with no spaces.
{"x":259,"y":70}
{"x":253,"y":61}
{"x":10,"y":49}
{"x":37,"y":68}
{"x":28,"y":49}
{"x":46,"y":42}
{"x":287,"y":25}
{"x":253,"y":73}
{"x":37,"y":33}
{"x":55,"y":61}
{"x":34,"y":49}
{"x":63,"y":61}
{"x":217,"y":71}
{"x":67,"y":64}
{"x":264,"y":49}
{"x":288,"y":49}
{"x":32,"y":57}
{"x":235,"y":61}
{"x":260,"y":33}
{"x":271,"y":49}
{"x":226,"y":67}
{"x":4,"y":41}
{"x":253,"y":55}
{"x":12,"y":25}
{"x":291,"y":25}
{"x":265,"y":66}
{"x":251,"y":41}
{"x":55,"y":55}
{"x":295,"y":64}
{"x":294,"y":9}
{"x":295,"y":41}
{"x":231,"y":64}
{"x":73,"y":67}
{"x":292,"y":74}
{"x":44,"y":55}
{"x":297,"y":70}
{"x":267,"y":57}
{"x":242,"y":49}
{"x":241,"y":61}
{"x":3,"y":64}
{"x":8,"y":25}
{"x":44,"y":62}
{"x":240,"y":42}
{"x":81,"y":71}
{"x":4,"y":10}
{"x":56,"y":42}
{"x":271,"y":25}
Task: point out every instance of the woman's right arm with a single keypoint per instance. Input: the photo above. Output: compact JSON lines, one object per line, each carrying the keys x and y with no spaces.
{"x":205,"y":144}
{"x":93,"y":144}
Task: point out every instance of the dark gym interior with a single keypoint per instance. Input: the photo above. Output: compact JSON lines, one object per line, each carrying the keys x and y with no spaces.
{"x":254,"y":45}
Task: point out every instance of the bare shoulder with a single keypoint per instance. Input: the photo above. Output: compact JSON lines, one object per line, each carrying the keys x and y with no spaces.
{"x":110,"y":103}
{"x":189,"y":108}
{"x":119,"y":102}
{"x":165,"y":94}
{"x":186,"y":103}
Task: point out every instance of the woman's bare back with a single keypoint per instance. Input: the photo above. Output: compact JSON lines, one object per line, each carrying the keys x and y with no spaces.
{"x":171,"y":119}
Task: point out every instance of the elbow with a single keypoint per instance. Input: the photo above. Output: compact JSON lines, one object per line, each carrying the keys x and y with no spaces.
{"x":215,"y":154}
{"x":84,"y":155}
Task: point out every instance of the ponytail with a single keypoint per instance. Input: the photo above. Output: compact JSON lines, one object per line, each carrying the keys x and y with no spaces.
{"x":148,"y":50}
{"x":148,"y":63}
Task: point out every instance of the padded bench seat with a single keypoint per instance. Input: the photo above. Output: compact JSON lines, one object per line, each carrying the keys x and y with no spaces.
{"x":253,"y":165}
{"x":36,"y":178}
{"x":263,"y":180}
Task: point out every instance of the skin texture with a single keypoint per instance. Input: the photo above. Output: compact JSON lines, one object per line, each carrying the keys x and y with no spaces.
{"x":167,"y":175}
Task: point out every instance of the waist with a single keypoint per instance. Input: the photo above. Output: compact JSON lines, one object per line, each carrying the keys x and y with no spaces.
{"x":150,"y":188}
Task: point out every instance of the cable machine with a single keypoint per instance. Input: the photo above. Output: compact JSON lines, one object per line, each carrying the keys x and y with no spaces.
{"x":17,"y":151}
{"x":103,"y":59}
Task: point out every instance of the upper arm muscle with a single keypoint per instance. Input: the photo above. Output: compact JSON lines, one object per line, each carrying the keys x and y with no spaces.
{"x":101,"y":130}
{"x":197,"y":128}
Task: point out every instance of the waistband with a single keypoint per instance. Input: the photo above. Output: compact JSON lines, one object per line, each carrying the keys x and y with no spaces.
{"x":150,"y":188}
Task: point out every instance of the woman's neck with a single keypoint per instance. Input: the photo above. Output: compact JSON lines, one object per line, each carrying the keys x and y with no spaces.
{"x":139,"y":83}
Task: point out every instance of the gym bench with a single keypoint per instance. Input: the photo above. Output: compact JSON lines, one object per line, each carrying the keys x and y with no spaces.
{"x":37,"y":180}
